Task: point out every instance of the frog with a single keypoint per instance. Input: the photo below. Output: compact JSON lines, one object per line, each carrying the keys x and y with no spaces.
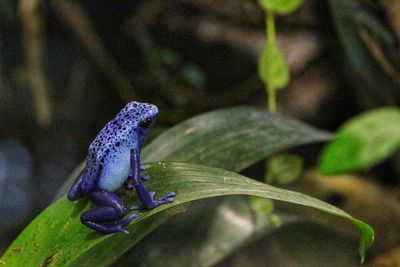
{"x":113,"y":160}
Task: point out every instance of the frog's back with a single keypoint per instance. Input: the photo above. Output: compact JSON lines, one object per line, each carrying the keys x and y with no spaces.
{"x":118,"y":132}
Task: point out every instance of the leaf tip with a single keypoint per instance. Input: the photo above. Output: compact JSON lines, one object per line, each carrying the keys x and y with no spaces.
{"x":366,"y":240}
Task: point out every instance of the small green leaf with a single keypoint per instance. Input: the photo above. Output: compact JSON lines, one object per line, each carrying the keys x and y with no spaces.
{"x":265,"y":207}
{"x":272,"y":67}
{"x":363,"y":141}
{"x":280,"y":6}
{"x":284,"y":169}
{"x":262,"y":205}
{"x":194,"y":76}
{"x":57,"y":237}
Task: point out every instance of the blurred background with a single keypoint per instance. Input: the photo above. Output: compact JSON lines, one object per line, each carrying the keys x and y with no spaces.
{"x":67,"y":67}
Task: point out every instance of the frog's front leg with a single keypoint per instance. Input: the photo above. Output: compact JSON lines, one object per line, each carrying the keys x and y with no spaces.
{"x":146,"y":197}
{"x":109,"y":208}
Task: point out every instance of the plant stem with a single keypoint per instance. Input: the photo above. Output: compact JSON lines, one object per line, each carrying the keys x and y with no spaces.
{"x":271,"y":38}
{"x":33,"y":40}
{"x":271,"y":32}
{"x":271,"y":99}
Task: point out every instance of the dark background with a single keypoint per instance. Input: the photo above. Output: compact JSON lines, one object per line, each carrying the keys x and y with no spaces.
{"x":67,"y":67}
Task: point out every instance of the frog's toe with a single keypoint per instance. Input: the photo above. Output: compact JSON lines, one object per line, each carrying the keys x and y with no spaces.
{"x":170,"y":197}
{"x":126,"y":221}
{"x":124,"y":231}
{"x":165,"y":200}
{"x":118,"y":227}
{"x":139,"y":207}
{"x":145,"y":177}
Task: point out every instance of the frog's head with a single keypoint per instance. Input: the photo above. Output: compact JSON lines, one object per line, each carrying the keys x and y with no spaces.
{"x":142,"y":116}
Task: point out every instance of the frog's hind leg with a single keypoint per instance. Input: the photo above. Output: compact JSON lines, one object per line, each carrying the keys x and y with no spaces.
{"x":75,"y":192}
{"x":109,"y":208}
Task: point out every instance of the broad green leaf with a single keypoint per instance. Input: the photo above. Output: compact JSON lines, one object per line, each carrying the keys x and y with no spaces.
{"x":231,"y":138}
{"x":57,"y":238}
{"x":280,"y":6}
{"x":272,"y":67}
{"x":210,"y":230}
{"x":363,"y":141}
{"x":270,"y":133}
{"x":284,"y":169}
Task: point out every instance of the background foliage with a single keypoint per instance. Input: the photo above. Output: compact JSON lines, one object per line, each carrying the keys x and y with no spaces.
{"x":67,"y":67}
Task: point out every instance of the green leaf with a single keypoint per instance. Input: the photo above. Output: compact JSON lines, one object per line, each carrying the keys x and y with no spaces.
{"x":223,"y":224}
{"x":272,"y":67}
{"x":284,"y":169}
{"x":265,"y":207}
{"x":262,"y":205}
{"x":231,"y":138}
{"x":57,"y":237}
{"x":223,"y":129}
{"x":363,"y":141}
{"x":280,"y":6}
{"x":243,"y":136}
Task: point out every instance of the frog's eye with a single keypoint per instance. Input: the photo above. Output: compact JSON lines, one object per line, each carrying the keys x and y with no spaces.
{"x":145,"y":123}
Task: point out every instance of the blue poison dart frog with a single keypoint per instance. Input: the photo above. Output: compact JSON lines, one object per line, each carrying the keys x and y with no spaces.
{"x":114,"y":160}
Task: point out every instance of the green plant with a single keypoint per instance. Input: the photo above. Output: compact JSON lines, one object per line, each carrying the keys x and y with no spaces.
{"x":198,"y":158}
{"x":362,"y":142}
{"x":272,"y":67}
{"x":230,"y":139}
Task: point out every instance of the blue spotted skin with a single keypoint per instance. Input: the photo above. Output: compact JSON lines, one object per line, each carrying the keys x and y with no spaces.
{"x":110,"y":150}
{"x":114,"y":159}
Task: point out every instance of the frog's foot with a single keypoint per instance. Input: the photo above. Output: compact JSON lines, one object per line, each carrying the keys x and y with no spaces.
{"x":109,"y":208}
{"x":110,"y":228}
{"x":150,"y":203}
{"x":142,"y":167}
